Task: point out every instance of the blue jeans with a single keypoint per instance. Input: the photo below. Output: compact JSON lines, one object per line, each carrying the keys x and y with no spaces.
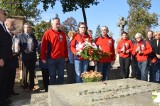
{"x":142,"y":72}
{"x":157,"y":70}
{"x":80,"y":67}
{"x":56,"y":66}
{"x":104,"y":68}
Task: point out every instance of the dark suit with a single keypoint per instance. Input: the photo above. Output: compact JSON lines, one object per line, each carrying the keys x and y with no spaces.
{"x":28,"y":60}
{"x":156,"y":50}
{"x":6,"y":55}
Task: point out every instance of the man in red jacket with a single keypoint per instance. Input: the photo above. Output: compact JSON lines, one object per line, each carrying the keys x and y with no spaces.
{"x":141,"y":51}
{"x":54,"y":51}
{"x":106,"y":44}
{"x":124,"y":49}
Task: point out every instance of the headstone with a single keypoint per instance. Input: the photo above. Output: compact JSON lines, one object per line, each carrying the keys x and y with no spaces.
{"x":123,"y":92}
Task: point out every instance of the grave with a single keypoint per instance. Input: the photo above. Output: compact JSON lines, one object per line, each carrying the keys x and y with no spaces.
{"x":122,"y":92}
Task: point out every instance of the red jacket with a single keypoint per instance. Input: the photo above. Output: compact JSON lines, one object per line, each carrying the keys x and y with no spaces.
{"x":127,"y":45}
{"x":54,"y":44}
{"x":145,"y":48}
{"x":106,"y":44}
{"x":76,"y":39}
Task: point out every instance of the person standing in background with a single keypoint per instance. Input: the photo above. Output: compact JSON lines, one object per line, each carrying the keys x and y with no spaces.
{"x":28,"y":45}
{"x":124,"y":49}
{"x":156,"y":51}
{"x":70,"y":63}
{"x":44,"y":69}
{"x":150,"y":38}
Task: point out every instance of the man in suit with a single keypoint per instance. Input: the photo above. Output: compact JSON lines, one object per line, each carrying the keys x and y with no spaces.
{"x":9,"y":24}
{"x":5,"y":58}
{"x":156,"y":50}
{"x":28,"y":45}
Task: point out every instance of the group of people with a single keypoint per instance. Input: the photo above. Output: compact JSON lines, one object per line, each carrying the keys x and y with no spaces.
{"x":58,"y":52}
{"x":143,"y":55}
{"x":13,"y":47}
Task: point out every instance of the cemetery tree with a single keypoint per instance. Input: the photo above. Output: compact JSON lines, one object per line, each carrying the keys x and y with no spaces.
{"x":40,"y":28}
{"x":26,"y":8}
{"x":139,"y":19}
{"x":98,"y":31}
{"x":70,"y":24}
{"x":71,"y":5}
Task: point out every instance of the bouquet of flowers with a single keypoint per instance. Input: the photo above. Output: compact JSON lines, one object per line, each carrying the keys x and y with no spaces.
{"x":92,"y":76}
{"x":90,"y":51}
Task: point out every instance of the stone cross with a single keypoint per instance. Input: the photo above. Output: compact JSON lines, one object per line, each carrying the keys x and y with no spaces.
{"x":121,"y":24}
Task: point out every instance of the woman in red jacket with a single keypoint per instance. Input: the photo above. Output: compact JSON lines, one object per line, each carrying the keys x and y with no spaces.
{"x":81,"y":64}
{"x":124,"y":49}
{"x":141,"y":51}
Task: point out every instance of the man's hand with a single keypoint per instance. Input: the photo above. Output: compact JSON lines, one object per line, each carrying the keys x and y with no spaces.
{"x":1,"y":63}
{"x":44,"y":61}
{"x":127,"y":51}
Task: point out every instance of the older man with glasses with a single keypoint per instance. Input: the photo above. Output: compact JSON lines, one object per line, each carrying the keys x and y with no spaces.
{"x":5,"y":59}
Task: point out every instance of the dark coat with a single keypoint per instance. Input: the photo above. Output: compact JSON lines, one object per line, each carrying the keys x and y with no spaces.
{"x":5,"y":44}
{"x":23,"y":48}
{"x":156,"y":49}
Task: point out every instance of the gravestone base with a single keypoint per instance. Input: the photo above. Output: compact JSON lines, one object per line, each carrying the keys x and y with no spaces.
{"x":122,"y":92}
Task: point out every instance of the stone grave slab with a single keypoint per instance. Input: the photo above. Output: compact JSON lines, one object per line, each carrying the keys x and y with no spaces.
{"x":122,"y":92}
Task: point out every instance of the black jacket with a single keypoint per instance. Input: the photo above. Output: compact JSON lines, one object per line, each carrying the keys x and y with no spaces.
{"x":156,"y":49}
{"x":5,"y":44}
{"x":23,"y":47}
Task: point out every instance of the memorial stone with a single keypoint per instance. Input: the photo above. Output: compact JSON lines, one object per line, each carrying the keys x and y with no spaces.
{"x":123,"y":92}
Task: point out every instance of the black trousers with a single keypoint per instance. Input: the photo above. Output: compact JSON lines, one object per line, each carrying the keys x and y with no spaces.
{"x":125,"y":63}
{"x":70,"y":73}
{"x":12,"y":80}
{"x":45,"y":75}
{"x":28,"y":66}
{"x":4,"y":80}
{"x":133,"y":67}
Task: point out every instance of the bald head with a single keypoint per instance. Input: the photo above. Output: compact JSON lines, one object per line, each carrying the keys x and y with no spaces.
{"x":9,"y":23}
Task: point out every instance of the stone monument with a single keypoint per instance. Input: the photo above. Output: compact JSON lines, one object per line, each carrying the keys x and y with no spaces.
{"x":123,"y":92}
{"x":122,"y":22}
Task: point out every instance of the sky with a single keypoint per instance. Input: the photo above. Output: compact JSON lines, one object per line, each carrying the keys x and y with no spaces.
{"x":106,"y":13}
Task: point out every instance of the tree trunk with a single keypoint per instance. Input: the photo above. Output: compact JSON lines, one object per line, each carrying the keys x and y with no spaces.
{"x":84,"y":14}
